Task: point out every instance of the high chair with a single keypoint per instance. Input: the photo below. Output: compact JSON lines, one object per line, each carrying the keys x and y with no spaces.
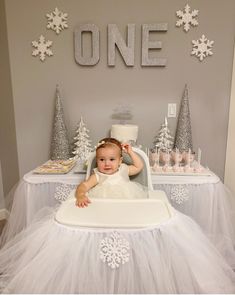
{"x":107,"y":212}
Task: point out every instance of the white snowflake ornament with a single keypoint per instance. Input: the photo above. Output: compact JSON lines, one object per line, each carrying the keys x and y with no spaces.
{"x":179,"y":194}
{"x":114,"y":250}
{"x":202,"y":47}
{"x":57,"y":20}
{"x":187,"y":18}
{"x":63,"y":191}
{"x":42,"y":48}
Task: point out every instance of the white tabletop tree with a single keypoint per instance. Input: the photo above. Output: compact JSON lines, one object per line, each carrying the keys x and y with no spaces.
{"x":82,"y":143}
{"x":163,"y":141}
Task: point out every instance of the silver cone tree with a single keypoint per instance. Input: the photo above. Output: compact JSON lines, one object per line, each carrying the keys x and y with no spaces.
{"x":183,"y":136}
{"x":59,"y":142}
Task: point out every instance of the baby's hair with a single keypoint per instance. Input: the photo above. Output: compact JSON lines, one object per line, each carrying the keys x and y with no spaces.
{"x":109,"y":141}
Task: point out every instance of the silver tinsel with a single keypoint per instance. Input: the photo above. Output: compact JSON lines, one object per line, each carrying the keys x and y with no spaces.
{"x":183,"y":136}
{"x":60,"y":141}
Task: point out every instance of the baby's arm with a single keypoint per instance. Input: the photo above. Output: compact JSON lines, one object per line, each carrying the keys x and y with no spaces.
{"x":137,"y":165}
{"x":82,"y":199}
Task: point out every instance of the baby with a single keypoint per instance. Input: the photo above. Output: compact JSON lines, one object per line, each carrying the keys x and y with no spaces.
{"x":111,"y":177}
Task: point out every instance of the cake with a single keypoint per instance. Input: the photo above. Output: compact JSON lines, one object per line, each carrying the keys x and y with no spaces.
{"x":124,"y":132}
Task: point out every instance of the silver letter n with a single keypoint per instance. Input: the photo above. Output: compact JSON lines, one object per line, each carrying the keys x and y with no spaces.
{"x":115,"y":39}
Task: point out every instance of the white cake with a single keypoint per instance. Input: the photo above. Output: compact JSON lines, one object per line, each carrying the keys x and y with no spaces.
{"x":124,"y":132}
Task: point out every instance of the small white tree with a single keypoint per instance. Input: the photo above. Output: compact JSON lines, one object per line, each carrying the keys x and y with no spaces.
{"x":163,"y":140}
{"x":82,"y":142}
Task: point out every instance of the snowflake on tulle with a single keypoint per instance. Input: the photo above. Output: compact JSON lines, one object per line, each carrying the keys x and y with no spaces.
{"x":42,"y":48}
{"x":187,"y":18}
{"x":114,"y":250}
{"x":57,"y":20}
{"x":179,"y":194}
{"x":62,"y":191}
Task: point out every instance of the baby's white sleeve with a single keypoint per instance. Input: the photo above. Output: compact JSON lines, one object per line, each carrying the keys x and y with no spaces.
{"x":96,"y":174}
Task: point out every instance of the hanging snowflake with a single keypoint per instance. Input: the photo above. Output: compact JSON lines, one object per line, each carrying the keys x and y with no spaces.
{"x":62,"y":191}
{"x":57,"y":20}
{"x":179,"y":193}
{"x":114,"y":250}
{"x":202,"y":47}
{"x":187,"y":18}
{"x":42,"y":48}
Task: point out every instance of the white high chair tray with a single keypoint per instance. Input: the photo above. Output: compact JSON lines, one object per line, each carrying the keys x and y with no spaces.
{"x":115,"y":213}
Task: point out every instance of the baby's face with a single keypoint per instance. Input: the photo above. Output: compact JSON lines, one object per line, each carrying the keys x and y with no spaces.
{"x":108,"y":159}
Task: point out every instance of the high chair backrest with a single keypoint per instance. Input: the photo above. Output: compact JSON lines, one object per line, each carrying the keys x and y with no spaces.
{"x":144,"y":177}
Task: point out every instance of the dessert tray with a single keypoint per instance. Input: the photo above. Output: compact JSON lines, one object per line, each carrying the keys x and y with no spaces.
{"x":55,"y":167}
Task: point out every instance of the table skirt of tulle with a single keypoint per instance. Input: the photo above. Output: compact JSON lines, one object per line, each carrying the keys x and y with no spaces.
{"x":174,"y":257}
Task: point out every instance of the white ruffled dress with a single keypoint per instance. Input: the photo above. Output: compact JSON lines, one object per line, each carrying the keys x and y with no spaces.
{"x":117,"y":186}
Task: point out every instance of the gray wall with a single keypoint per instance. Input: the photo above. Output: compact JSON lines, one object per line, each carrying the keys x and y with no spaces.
{"x":2,"y":201}
{"x":8,"y":149}
{"x":95,"y":91}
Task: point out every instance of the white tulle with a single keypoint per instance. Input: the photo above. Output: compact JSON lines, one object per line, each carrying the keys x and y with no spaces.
{"x":174,"y":257}
{"x":24,"y":201}
{"x":212,"y":206}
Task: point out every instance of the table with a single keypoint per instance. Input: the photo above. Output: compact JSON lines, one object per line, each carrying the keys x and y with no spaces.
{"x":204,"y":198}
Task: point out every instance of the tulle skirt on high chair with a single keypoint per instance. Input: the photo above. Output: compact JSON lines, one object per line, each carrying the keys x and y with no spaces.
{"x":173,"y":256}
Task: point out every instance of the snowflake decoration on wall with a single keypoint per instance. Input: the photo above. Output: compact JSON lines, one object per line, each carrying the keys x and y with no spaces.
{"x":114,"y":250}
{"x":187,"y":18}
{"x":202,"y":47}
{"x":62,"y":191}
{"x":57,"y":20}
{"x":42,"y":48}
{"x":179,"y":194}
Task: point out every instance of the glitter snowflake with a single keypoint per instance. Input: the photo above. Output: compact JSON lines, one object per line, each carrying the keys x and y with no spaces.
{"x":42,"y":48}
{"x":62,"y":191}
{"x":187,"y":18}
{"x":57,"y":20}
{"x":202,"y":47}
{"x":179,"y":194}
{"x":114,"y":250}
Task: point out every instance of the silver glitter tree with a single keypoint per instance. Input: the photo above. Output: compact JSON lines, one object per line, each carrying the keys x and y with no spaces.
{"x":183,"y":136}
{"x":60,"y":141}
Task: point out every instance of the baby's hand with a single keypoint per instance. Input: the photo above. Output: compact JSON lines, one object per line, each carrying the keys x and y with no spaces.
{"x":127,"y":148}
{"x":82,"y":202}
